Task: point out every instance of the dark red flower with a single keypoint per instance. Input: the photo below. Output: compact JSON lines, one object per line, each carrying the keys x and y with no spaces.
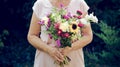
{"x":79,"y":12}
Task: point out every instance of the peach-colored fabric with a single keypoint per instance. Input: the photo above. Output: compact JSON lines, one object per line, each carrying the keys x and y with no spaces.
{"x":43,"y":7}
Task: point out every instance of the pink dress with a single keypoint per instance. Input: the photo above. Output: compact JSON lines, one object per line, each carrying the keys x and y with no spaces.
{"x":41,"y":8}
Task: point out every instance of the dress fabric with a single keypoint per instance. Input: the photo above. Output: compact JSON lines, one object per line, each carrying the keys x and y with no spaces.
{"x":42,"y":8}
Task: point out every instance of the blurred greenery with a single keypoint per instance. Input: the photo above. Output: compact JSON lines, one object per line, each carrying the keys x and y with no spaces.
{"x":15,"y":51}
{"x":109,"y":54}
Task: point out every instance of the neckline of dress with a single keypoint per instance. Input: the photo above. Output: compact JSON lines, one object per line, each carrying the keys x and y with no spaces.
{"x":58,"y":7}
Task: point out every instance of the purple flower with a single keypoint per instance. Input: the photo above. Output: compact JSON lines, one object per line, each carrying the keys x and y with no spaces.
{"x":66,"y":17}
{"x":58,"y":42}
{"x":41,"y":22}
{"x":49,"y":24}
{"x":61,"y":5}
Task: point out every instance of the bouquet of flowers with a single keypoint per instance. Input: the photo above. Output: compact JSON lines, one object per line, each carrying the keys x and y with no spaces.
{"x":64,"y":27}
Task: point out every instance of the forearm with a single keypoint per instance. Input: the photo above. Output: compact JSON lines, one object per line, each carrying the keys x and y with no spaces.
{"x":85,"y":40}
{"x":38,"y":43}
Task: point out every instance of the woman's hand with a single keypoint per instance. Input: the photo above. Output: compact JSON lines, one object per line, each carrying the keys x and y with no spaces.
{"x":65,"y":51}
{"x":55,"y":53}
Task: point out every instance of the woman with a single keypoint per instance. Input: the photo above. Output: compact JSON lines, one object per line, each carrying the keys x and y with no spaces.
{"x":46,"y":54}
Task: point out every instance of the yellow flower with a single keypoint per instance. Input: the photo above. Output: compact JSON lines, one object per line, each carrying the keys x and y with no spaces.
{"x":74,"y":27}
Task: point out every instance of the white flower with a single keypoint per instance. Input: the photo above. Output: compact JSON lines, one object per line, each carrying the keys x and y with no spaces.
{"x":95,"y":19}
{"x":83,"y":20}
{"x":53,"y":15}
{"x":45,"y":19}
{"x":58,"y":18}
{"x":91,"y":18}
{"x":64,"y":26}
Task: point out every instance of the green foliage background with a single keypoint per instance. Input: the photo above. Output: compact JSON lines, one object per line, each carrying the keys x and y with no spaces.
{"x":15,"y":51}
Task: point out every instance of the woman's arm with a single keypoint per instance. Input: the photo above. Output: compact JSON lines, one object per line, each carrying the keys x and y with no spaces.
{"x":33,"y":35}
{"x":34,"y":40}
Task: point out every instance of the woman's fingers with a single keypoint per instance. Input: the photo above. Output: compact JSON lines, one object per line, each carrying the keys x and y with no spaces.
{"x":60,"y":55}
{"x":57,"y":55}
{"x":57,"y":59}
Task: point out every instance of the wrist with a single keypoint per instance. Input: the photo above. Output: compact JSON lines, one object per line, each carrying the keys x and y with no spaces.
{"x":72,"y":47}
{"x":69,"y":49}
{"x":49,"y":49}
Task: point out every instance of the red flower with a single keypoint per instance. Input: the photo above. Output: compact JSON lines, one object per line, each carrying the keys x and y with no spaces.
{"x":66,"y":35}
{"x":80,"y":25}
{"x":79,"y":17}
{"x":59,"y":32}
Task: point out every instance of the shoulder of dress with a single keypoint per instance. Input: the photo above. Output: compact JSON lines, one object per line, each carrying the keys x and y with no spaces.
{"x":40,"y":1}
{"x":78,"y":1}
{"x":44,"y":3}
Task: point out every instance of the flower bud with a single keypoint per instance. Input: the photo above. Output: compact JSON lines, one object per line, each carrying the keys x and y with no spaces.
{"x":79,"y":12}
{"x":80,"y":25}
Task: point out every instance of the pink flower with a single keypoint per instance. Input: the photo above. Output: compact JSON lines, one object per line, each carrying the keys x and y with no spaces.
{"x":80,"y":25}
{"x":58,"y":42}
{"x":41,"y":22}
